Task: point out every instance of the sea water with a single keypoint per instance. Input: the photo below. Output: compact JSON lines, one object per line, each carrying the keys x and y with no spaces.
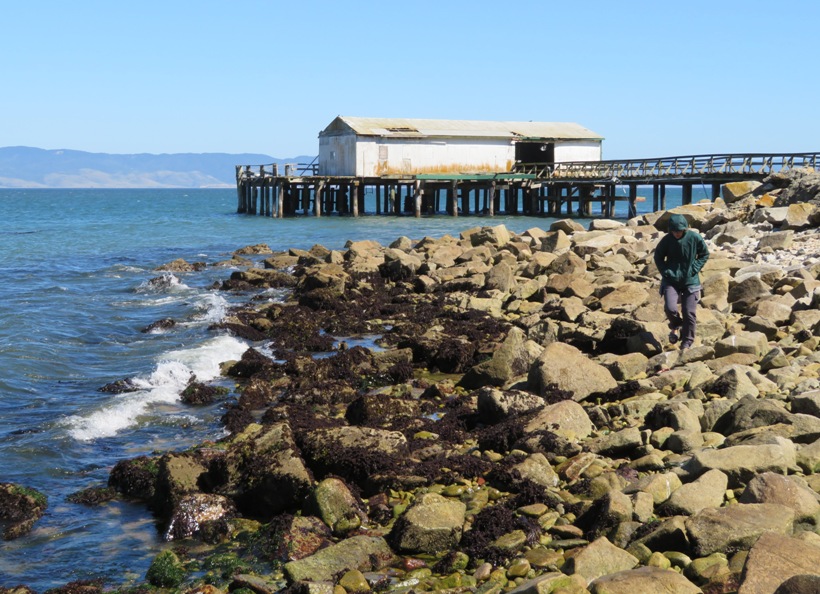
{"x":78,"y":285}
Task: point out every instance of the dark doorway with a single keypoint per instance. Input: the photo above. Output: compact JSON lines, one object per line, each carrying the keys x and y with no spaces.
{"x":535,"y":152}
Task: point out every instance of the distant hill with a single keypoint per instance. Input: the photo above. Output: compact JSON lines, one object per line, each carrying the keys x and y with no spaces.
{"x":26,"y":167}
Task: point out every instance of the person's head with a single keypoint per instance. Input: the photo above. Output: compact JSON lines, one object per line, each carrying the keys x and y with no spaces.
{"x":678,"y":225}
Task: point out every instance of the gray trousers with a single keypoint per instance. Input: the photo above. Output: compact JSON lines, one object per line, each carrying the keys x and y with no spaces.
{"x":687,"y":319}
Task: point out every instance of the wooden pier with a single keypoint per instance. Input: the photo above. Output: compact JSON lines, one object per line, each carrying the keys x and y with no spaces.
{"x":540,"y":189}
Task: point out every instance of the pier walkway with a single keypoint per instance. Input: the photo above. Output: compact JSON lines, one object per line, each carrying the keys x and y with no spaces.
{"x":535,"y":189}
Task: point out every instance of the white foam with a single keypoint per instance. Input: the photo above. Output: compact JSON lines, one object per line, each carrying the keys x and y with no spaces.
{"x":212,"y":306}
{"x":163,"y":386}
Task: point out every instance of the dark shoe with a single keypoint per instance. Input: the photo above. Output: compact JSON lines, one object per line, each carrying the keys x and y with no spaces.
{"x":673,"y":337}
{"x":685,"y":345}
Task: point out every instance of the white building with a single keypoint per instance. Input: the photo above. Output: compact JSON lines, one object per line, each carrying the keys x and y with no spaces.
{"x":373,"y":147}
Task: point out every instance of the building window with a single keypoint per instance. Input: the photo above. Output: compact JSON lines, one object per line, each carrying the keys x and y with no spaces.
{"x":382,"y":152}
{"x":332,"y":155}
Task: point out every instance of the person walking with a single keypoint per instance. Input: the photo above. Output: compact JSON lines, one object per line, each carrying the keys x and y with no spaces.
{"x":680,"y":256}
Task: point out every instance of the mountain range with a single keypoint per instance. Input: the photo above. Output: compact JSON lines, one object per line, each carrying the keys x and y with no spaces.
{"x":27,"y":167}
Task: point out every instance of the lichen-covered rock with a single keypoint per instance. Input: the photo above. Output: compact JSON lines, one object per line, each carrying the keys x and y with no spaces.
{"x":365,"y":553}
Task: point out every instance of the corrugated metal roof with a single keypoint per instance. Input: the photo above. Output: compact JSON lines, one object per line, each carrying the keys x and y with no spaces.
{"x":404,"y":127}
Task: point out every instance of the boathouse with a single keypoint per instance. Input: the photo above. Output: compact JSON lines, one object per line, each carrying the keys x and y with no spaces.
{"x":378,"y":147}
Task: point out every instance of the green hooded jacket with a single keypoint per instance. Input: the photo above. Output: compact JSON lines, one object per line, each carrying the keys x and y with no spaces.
{"x":681,"y":260}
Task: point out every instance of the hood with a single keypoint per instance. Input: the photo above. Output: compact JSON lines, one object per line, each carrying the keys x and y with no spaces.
{"x":678,"y":222}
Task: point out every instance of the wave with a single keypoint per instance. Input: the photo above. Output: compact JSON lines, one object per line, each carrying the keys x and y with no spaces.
{"x":162,"y":387}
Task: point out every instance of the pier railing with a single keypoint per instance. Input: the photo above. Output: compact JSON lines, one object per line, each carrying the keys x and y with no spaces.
{"x":700,"y":167}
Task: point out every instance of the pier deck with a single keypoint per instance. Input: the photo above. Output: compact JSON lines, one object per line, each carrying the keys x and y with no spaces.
{"x":534,"y":189}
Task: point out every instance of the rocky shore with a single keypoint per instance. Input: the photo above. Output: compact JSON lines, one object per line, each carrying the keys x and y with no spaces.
{"x":521,"y":424}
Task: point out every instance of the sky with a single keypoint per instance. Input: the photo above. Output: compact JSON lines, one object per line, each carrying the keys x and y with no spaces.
{"x":653,"y":78}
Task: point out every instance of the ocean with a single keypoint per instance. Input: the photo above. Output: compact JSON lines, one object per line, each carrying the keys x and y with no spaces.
{"x":79,"y":286}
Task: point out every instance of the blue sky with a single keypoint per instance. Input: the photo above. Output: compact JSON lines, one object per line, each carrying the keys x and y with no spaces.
{"x":654,"y":78}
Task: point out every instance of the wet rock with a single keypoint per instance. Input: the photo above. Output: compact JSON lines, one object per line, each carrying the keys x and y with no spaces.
{"x":20,"y":508}
{"x":194,"y":511}
{"x":261,"y":471}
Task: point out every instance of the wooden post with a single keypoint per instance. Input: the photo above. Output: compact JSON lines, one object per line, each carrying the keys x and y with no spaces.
{"x":354,"y":198}
{"x":491,"y":199}
{"x":360,"y":192}
{"x":417,"y":192}
{"x":317,"y":198}
{"x":280,"y":199}
{"x":715,"y":191}
{"x":686,"y":193}
{"x":452,"y":199}
{"x":633,"y":195}
{"x":392,"y":199}
{"x":663,"y":197}
{"x":378,"y":192}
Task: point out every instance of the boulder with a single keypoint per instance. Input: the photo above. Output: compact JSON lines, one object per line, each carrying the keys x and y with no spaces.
{"x":643,"y":579}
{"x":713,"y":530}
{"x":333,"y":502}
{"x":20,"y":508}
{"x":774,"y":559}
{"x":567,"y":368}
{"x":511,"y":359}
{"x":601,"y":558}
{"x":432,"y":524}
{"x":706,"y":491}
{"x":495,"y":405}
{"x":770,"y":487}
{"x":567,"y":419}
{"x":741,"y":463}
{"x":195,"y":511}
{"x":365,"y":553}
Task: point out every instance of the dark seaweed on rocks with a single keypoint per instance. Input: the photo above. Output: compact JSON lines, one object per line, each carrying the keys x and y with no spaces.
{"x":491,"y":523}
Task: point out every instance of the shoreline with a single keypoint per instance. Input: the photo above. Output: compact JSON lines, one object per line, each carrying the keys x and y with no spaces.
{"x":506,"y":304}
